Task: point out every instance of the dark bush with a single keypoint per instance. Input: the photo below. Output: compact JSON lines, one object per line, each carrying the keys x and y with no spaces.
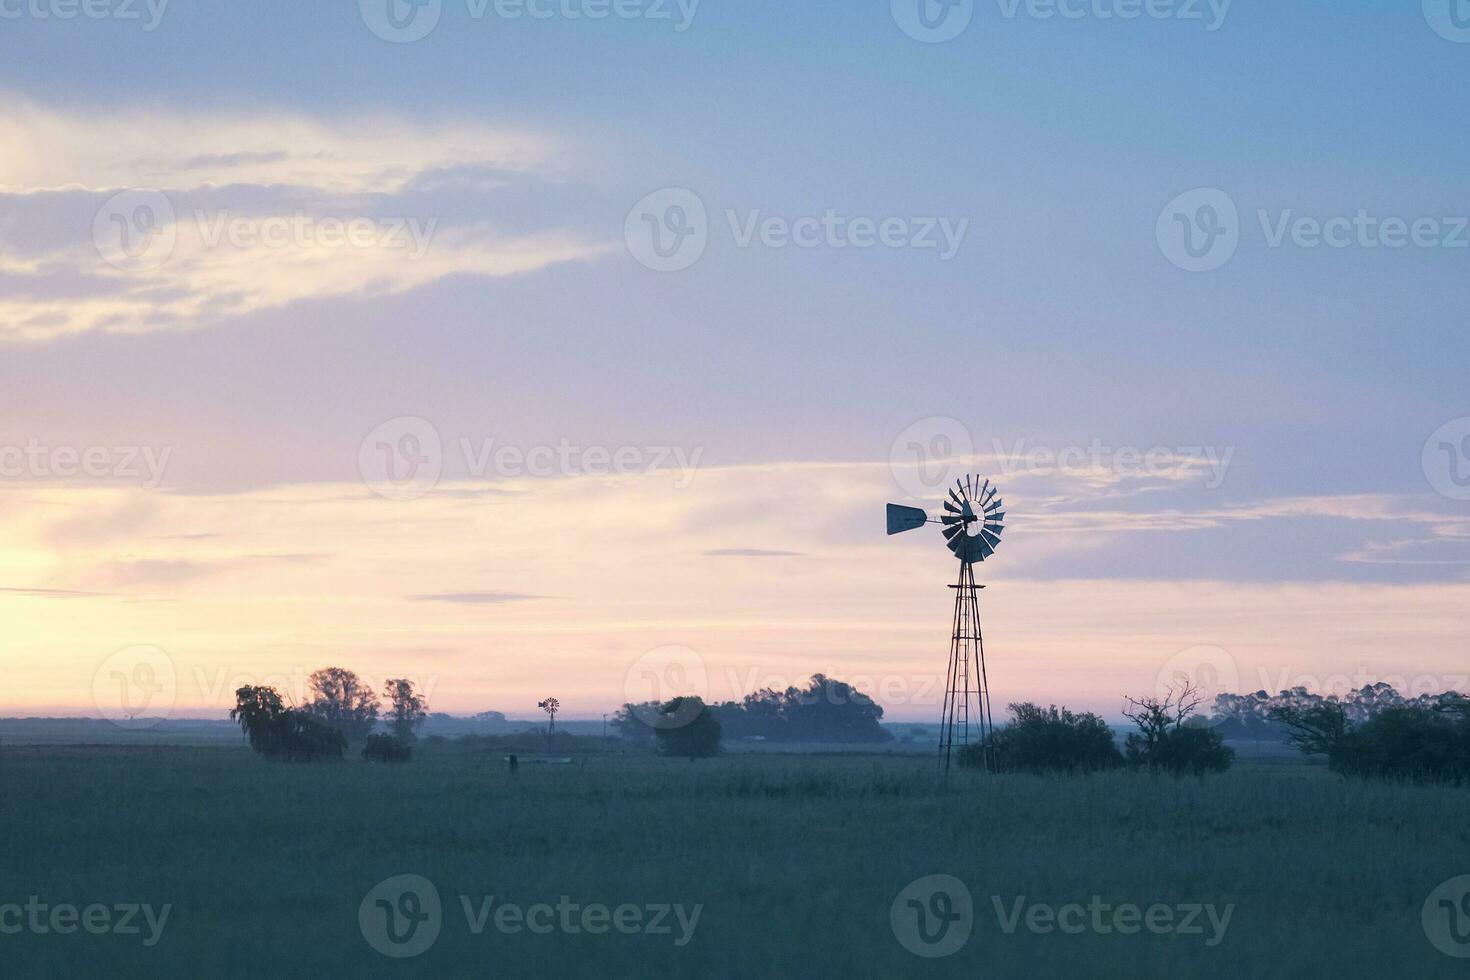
{"x":386,"y":748}
{"x":1040,"y":740}
{"x":1192,"y":750}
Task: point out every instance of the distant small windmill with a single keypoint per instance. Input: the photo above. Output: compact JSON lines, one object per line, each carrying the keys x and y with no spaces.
{"x":973,"y":521}
{"x":551,"y":706}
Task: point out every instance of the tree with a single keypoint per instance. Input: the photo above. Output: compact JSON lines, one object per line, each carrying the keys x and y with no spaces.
{"x":1164,"y":740}
{"x":1314,"y":729}
{"x":343,"y":701}
{"x":406,"y":709}
{"x":697,"y":738}
{"x":1039,"y":740}
{"x":1427,"y":741}
{"x":826,"y":710}
{"x":635,"y":723}
{"x":284,"y":734}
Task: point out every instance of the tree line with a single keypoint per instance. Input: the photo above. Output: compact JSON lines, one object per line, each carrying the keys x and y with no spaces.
{"x":825,"y":710}
{"x":341,"y":708}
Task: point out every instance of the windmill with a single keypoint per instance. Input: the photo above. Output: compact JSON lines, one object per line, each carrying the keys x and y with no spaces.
{"x":551,"y":706}
{"x":973,"y":520}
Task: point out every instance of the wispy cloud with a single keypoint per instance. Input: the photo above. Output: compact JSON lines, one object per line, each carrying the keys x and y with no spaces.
{"x":476,"y":598}
{"x":180,"y":219}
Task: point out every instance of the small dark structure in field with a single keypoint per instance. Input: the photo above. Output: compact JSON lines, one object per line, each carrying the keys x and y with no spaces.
{"x":386,"y":748}
{"x":551,"y":706}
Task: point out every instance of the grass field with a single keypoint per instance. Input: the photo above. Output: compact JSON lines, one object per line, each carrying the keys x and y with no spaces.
{"x":794,"y":860}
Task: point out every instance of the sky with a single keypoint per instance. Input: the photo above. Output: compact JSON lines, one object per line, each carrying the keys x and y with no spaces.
{"x":572,"y":348}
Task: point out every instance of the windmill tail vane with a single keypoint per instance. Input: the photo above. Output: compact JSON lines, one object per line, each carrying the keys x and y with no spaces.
{"x":972,"y":519}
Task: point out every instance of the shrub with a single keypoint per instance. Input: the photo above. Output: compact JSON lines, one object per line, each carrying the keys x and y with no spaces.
{"x":386,"y":748}
{"x":1192,"y":749}
{"x":1040,"y":740}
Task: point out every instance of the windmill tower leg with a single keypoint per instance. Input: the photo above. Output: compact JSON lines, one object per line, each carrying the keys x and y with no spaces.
{"x":965,"y":718}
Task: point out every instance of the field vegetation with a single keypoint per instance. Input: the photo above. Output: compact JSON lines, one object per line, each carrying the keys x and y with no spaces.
{"x":794,"y":860}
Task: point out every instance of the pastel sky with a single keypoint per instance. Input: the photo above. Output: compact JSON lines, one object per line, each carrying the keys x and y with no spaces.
{"x":324,"y":345}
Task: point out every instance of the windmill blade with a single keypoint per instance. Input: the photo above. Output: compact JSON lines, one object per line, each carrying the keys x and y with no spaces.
{"x":990,"y":538}
{"x":950,"y":532}
{"x":953,"y":509}
{"x":957,"y":546}
{"x":956,"y":498}
{"x":947,"y":519}
{"x":901,"y":519}
{"x":993,"y":504}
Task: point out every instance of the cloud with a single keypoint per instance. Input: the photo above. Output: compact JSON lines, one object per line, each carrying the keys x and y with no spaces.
{"x":476,"y":598}
{"x":132,"y":222}
{"x":57,"y":593}
{"x":636,"y":571}
{"x":168,"y":149}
